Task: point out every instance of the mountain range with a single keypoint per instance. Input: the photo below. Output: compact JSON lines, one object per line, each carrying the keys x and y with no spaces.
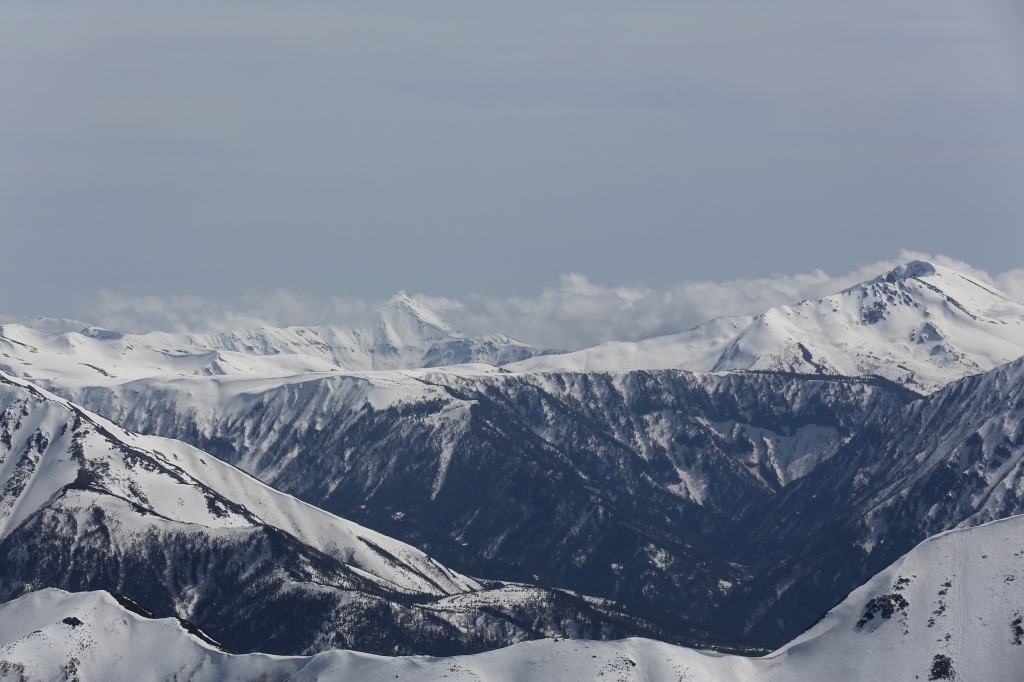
{"x":920,"y":325}
{"x":720,"y":488}
{"x":86,"y":505}
{"x":405,"y":334}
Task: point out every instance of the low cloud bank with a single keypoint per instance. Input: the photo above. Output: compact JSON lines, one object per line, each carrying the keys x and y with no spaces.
{"x":576,"y":314}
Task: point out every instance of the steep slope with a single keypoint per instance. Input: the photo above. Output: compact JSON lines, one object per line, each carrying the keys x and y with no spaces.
{"x":921,"y":325}
{"x":749,"y":501}
{"x":406,"y":334}
{"x":953,"y":459}
{"x":950,"y":609}
{"x":86,"y":505}
{"x":628,"y":486}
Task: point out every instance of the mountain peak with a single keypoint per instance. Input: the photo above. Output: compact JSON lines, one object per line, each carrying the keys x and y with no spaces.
{"x":403,"y":309}
{"x":913,"y":269}
{"x":920,"y":324}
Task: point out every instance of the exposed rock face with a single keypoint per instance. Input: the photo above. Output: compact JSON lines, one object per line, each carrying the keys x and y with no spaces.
{"x":749,"y":502}
{"x":638,"y":486}
{"x":85,"y":505}
{"x":953,"y":459}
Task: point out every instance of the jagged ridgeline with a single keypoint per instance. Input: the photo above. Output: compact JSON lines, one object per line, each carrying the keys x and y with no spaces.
{"x":85,"y":505}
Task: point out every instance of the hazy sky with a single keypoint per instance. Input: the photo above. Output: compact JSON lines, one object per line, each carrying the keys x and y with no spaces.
{"x":229,"y":149}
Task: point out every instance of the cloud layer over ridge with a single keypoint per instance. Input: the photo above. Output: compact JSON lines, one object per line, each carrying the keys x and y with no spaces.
{"x":576,"y":314}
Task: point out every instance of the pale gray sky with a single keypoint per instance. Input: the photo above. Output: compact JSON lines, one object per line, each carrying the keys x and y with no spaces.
{"x":225,"y":149}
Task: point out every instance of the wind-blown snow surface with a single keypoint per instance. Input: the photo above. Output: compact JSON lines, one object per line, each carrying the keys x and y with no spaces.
{"x":952,"y":608}
{"x":921,"y":325}
{"x":407,"y":335}
{"x":85,"y":505}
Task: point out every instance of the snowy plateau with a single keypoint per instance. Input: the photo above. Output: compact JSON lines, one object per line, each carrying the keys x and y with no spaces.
{"x":404,"y":501}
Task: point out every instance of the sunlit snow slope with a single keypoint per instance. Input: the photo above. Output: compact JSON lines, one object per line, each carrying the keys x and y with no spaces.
{"x":922,"y":325}
{"x":953,"y":608}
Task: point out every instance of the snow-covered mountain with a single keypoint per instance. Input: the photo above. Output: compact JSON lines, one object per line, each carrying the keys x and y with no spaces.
{"x":629,"y":486}
{"x":953,"y":459}
{"x":407,"y":334}
{"x":762,"y":497}
{"x":85,"y":504}
{"x":735,"y":503}
{"x":922,"y":325}
{"x":951,"y":609}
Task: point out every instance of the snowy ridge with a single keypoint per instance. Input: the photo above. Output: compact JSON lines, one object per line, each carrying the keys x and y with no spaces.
{"x":695,"y":350}
{"x":921,"y":325}
{"x":181,"y":484}
{"x":407,"y":335}
{"x":531,"y":470}
{"x":952,"y":608}
{"x":85,"y":504}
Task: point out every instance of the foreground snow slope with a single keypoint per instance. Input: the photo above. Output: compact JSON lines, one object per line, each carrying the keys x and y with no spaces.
{"x":953,"y":608}
{"x":922,"y":325}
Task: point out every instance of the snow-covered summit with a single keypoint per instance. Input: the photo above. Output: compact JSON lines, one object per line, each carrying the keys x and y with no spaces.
{"x":915,"y":268}
{"x":921,"y":324}
{"x":404,"y":313}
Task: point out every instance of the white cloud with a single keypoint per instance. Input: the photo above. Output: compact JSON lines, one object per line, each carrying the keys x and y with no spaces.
{"x":1012,"y":283}
{"x":576,"y":314}
{"x":279,"y":307}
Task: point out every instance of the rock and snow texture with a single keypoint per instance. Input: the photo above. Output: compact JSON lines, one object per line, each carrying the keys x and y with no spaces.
{"x":53,"y":449}
{"x":628,"y":486}
{"x":86,"y":505}
{"x":952,"y":459}
{"x":951,"y":609}
{"x":921,"y":325}
{"x":762,"y":498}
{"x":407,"y":334}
